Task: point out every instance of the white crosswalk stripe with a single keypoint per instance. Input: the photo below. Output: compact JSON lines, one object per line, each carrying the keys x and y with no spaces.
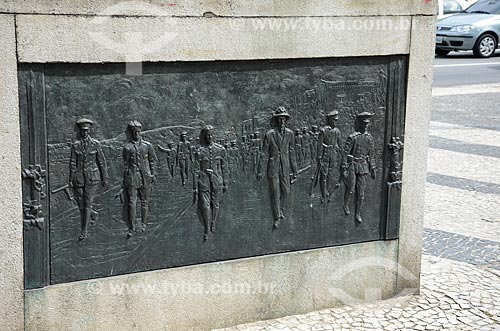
{"x":462,"y":165}
{"x":465,"y":134}
{"x":459,"y":203}
{"x":468,"y":89}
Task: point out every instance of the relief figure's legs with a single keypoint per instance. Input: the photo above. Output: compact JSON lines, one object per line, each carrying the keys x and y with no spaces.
{"x":78,"y":192}
{"x":284,"y":194}
{"x":183,"y":172}
{"x":360,"y":195}
{"x":144,"y":194}
{"x":89,"y":192}
{"x":171,"y":168}
{"x":349,"y":189}
{"x":131,"y":205}
{"x":274,"y":195}
{"x":204,"y":211}
{"x":326,"y":175}
{"x":215,"y":197}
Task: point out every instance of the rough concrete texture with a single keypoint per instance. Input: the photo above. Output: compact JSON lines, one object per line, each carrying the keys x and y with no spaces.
{"x":455,"y":296}
{"x":218,"y":294}
{"x":51,"y":38}
{"x":11,"y":236}
{"x":418,"y":111}
{"x":223,"y":7}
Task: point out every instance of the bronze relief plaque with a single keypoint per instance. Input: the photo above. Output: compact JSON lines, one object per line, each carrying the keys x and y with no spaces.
{"x":197,"y":162}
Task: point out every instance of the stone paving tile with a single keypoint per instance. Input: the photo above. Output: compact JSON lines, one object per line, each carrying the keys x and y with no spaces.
{"x":454,"y":296}
{"x":462,"y":248}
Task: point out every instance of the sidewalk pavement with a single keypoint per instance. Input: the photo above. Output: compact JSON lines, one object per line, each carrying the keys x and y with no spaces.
{"x":460,"y":284}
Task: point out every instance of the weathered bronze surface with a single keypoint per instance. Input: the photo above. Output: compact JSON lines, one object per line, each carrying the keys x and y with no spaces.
{"x":219,"y":160}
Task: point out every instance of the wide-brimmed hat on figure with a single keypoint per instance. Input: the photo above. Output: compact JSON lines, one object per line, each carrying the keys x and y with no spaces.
{"x":281,"y":112}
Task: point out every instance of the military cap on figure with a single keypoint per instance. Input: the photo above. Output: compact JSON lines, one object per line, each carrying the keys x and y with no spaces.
{"x":84,"y":123}
{"x":365,"y":116}
{"x":333,"y":113}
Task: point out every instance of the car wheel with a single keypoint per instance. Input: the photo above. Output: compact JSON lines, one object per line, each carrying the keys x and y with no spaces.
{"x":442,"y":52}
{"x":485,"y":46}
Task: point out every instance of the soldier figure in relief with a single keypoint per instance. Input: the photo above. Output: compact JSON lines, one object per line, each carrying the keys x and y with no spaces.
{"x":327,"y":157}
{"x":278,"y":151}
{"x":233,"y":159}
{"x":210,"y":180}
{"x":298,"y":146}
{"x":87,"y":169}
{"x":306,"y":145}
{"x":255,"y":150}
{"x":140,"y":164}
{"x":170,"y":151}
{"x":313,"y":144}
{"x":358,"y":163}
{"x":244,"y":153}
{"x":183,"y":157}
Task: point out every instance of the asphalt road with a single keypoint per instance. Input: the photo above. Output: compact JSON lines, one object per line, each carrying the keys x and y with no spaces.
{"x":462,"y":68}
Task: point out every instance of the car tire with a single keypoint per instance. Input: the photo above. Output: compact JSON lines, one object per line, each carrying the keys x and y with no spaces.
{"x":485,"y":46}
{"x":442,"y":52}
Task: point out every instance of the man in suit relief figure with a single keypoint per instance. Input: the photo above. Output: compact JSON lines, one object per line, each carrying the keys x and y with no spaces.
{"x":278,"y":151}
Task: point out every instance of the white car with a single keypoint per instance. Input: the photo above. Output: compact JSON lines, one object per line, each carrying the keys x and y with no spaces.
{"x":449,"y":7}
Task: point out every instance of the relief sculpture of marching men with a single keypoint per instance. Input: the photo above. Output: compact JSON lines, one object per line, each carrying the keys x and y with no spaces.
{"x":87,"y":169}
{"x":278,"y":155}
{"x":280,"y":152}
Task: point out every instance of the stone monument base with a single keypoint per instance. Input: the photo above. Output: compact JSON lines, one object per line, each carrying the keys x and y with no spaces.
{"x":217,"y":295}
